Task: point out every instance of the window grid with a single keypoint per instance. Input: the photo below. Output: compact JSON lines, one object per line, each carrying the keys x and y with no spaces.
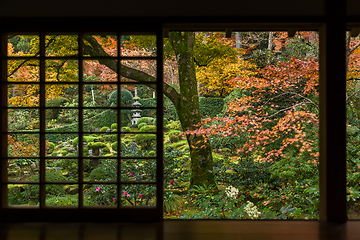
{"x":80,"y":133}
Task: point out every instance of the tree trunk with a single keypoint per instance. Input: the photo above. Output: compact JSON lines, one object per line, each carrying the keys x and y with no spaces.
{"x":238,"y":38}
{"x":189,"y":111}
{"x":186,"y":103}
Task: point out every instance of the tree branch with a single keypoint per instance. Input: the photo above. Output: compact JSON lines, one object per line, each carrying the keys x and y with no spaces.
{"x":308,"y":99}
{"x":95,"y":49}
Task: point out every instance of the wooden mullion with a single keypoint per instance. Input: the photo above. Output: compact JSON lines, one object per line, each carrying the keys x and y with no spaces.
{"x":81,"y":121}
{"x":119,"y":186}
{"x":159,"y":124}
{"x":42,"y":120}
{"x":4,"y":122}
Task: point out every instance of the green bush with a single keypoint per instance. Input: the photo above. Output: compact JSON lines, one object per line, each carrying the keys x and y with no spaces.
{"x":174,"y":136}
{"x":105,"y":150}
{"x":145,"y":141}
{"x":86,"y":139}
{"x":126,"y":129}
{"x":102,"y":173}
{"x":55,"y":102}
{"x":96,"y":145}
{"x":126,"y":97}
{"x":114,"y":126}
{"x":147,"y":120}
{"x":110,"y":137}
{"x":174,"y":125}
{"x":165,"y":121}
{"x":210,"y":106}
{"x":51,"y":146}
{"x":103,"y":129}
{"x":141,"y":125}
{"x":148,"y":128}
{"x":114,"y":146}
{"x":32,"y":191}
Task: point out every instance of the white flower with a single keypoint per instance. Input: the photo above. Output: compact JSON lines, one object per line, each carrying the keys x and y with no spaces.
{"x":231,"y":192}
{"x":252,"y":210}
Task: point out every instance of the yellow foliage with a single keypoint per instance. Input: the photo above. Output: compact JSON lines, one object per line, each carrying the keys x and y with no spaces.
{"x":213,"y":79}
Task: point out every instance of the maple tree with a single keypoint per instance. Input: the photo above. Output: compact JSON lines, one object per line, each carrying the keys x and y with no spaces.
{"x":216,"y":62}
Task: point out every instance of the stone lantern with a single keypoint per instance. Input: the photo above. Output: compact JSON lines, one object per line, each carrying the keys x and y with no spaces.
{"x":136,"y":111}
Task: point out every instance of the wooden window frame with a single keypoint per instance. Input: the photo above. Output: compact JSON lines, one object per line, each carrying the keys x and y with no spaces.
{"x":332,"y":118}
{"x":81,"y":212}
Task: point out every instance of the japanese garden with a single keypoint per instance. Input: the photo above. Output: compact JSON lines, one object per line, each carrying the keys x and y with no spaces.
{"x":240,"y":123}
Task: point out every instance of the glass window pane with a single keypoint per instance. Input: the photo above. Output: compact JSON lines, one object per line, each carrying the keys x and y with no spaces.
{"x":23,"y":120}
{"x":107,"y":42}
{"x":23,"y":45}
{"x":101,"y":195}
{"x":138,"y":46}
{"x":23,"y":70}
{"x":62,"y":70}
{"x":138,"y":195}
{"x":61,"y":45}
{"x":23,"y":194}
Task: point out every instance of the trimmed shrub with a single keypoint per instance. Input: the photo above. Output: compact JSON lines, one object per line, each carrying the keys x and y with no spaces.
{"x":110,"y":137}
{"x":114,"y":126}
{"x":147,"y":120}
{"x":141,"y":125}
{"x":126,"y":129}
{"x":126,"y":97}
{"x":32,"y":191}
{"x":86,"y":139}
{"x":148,"y":128}
{"x":102,"y":173}
{"x":103,"y":129}
{"x":96,"y":145}
{"x":145,"y":141}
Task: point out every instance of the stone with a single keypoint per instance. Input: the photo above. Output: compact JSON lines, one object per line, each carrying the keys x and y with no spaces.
{"x":133,"y":146}
{"x":70,"y":150}
{"x":66,"y":144}
{"x":108,"y":131}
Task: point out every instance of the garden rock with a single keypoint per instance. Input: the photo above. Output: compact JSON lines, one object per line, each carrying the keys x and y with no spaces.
{"x":108,"y":131}
{"x":133,"y":145}
{"x":70,"y":150}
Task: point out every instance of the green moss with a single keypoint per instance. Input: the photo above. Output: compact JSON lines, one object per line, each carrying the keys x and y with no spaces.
{"x":126,"y":129}
{"x":51,"y":146}
{"x":96,"y":145}
{"x":103,"y":129}
{"x":148,"y":128}
{"x":141,"y":125}
{"x":174,"y":125}
{"x":174,"y":136}
{"x":145,"y":141}
{"x":105,"y":150}
{"x":147,"y":120}
{"x":114,"y":126}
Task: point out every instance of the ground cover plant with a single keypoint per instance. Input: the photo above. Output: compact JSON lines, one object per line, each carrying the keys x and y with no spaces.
{"x":240,"y":126}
